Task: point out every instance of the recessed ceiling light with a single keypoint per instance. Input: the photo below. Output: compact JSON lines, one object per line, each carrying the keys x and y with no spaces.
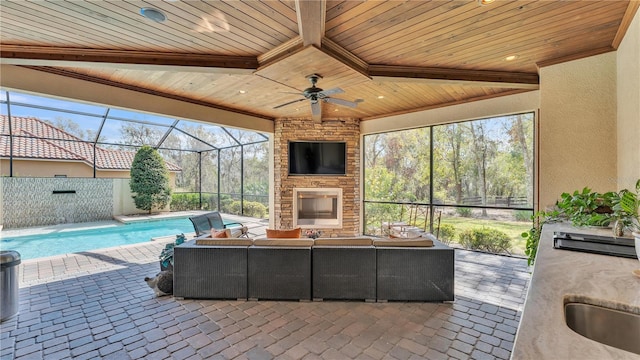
{"x":380,"y":96}
{"x":485,"y":2}
{"x":153,"y":14}
{"x":511,"y":57}
{"x":242,"y":91}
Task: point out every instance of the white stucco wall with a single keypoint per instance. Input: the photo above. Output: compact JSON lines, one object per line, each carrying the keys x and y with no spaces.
{"x":628,"y":89}
{"x":577,"y":127}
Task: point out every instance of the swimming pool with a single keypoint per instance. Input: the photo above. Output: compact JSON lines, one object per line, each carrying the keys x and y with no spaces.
{"x":70,"y":241}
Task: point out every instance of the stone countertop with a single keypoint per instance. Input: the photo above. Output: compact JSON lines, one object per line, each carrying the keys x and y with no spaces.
{"x":597,"y":279}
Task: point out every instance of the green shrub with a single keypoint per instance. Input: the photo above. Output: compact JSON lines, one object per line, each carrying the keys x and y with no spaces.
{"x":149,"y":181}
{"x":464,"y":212}
{"x":447,"y":233}
{"x":191,"y":201}
{"x":485,"y":239}
{"x":229,"y":206}
{"x":254,"y":209}
{"x":251,"y":208}
{"x":184,"y":201}
{"x":523,"y":215}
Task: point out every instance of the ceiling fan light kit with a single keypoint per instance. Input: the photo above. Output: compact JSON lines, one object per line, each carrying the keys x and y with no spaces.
{"x":314,"y":94}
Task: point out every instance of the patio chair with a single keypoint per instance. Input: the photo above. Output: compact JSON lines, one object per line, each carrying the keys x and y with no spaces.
{"x":203,"y":224}
{"x":237,"y":229}
{"x":200,"y":224}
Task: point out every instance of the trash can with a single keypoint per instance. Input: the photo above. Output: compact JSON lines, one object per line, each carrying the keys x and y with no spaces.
{"x":9,"y":261}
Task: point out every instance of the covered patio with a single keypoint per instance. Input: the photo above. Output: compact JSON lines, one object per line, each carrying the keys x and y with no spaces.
{"x":96,"y":305}
{"x":387,"y":66}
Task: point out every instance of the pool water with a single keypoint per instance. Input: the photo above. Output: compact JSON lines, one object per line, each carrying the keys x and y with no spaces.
{"x":70,"y":241}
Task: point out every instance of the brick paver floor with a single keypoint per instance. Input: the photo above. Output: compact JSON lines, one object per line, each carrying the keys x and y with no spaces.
{"x":96,"y":305}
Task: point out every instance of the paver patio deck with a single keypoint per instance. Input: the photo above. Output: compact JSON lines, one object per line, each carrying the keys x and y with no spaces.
{"x":96,"y":305}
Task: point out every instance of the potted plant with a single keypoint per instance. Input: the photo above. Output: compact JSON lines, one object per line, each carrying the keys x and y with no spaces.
{"x":166,"y":256}
{"x":629,"y":207}
{"x":587,"y":208}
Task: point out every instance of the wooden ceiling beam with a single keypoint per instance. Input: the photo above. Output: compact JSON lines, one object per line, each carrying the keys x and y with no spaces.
{"x":343,"y":55}
{"x":576,"y":56}
{"x":501,"y":79}
{"x":311,"y":21}
{"x":140,"y":60}
{"x":280,"y":52}
{"x":629,"y":14}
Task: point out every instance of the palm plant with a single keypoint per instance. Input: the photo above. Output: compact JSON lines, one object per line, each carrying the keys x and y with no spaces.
{"x":629,"y":207}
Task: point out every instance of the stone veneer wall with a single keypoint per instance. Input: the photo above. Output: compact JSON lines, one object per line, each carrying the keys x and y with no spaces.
{"x":308,"y":130}
{"x":31,"y":201}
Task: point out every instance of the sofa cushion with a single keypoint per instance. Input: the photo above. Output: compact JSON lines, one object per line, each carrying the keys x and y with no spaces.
{"x":219,"y":234}
{"x":224,"y":242}
{"x":283,"y":242}
{"x":420,"y":242}
{"x":357,"y":241}
{"x":284,"y":234}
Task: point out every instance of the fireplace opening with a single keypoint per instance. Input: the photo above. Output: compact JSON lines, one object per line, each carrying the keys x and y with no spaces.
{"x":317,"y":207}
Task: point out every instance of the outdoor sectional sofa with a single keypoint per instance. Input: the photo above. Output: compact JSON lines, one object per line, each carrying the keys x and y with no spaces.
{"x":349,"y":268}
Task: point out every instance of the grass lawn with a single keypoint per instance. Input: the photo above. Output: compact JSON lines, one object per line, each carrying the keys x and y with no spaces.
{"x":512,"y":228}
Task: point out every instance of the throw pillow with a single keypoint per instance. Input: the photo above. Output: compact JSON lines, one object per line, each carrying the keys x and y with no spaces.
{"x":284,"y":234}
{"x":217,"y":234}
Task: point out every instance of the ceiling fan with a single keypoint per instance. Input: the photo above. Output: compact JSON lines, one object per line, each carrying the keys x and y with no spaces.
{"x":316,"y":94}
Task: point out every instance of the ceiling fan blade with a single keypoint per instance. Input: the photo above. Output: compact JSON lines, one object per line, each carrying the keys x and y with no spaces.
{"x":333,"y":91}
{"x":316,"y":111}
{"x":289,"y":103}
{"x":351,"y":104}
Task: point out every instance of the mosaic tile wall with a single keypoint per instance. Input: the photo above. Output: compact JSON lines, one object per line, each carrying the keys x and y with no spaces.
{"x":49,"y":201}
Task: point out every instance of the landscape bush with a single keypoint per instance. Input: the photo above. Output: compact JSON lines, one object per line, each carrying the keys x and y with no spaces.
{"x":485,"y":239}
{"x":251,"y":209}
{"x":523,"y":215}
{"x":229,"y":206}
{"x":191,"y":201}
{"x":447,"y":233}
{"x":254,"y":209}
{"x":464,"y":212}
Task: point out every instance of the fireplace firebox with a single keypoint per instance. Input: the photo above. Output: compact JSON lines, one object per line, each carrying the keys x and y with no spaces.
{"x":317,"y":208}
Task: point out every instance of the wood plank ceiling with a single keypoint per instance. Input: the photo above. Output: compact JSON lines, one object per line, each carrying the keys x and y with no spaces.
{"x":251,"y":56}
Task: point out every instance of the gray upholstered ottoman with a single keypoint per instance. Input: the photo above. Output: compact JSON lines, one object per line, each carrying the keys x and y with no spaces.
{"x":280,"y":269}
{"x":344,"y":269}
{"x":214,"y":271}
{"x":414,"y":273}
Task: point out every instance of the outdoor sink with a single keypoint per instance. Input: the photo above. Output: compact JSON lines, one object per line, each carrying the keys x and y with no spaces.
{"x":611,"y":327}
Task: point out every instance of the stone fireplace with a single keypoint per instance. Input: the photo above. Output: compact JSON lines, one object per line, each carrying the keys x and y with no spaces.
{"x":337,"y":214}
{"x":317,"y":208}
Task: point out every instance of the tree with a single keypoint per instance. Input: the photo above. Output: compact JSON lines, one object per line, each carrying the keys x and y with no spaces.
{"x":521,"y":133}
{"x":139,"y":134}
{"x":481,"y":152}
{"x":149,"y":180}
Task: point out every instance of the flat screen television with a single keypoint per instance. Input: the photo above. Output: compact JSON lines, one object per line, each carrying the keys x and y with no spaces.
{"x":317,"y":158}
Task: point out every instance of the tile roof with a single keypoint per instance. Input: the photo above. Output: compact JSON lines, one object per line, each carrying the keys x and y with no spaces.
{"x":45,"y":141}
